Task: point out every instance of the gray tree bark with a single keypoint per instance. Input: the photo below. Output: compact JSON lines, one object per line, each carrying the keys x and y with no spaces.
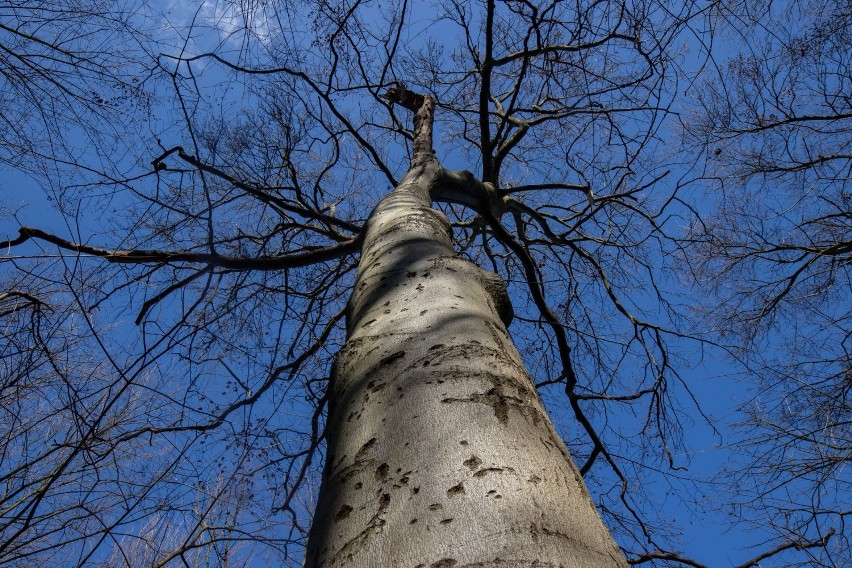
{"x":440,"y":453}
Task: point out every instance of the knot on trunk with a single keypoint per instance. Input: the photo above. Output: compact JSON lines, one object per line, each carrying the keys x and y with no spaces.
{"x":496,"y":289}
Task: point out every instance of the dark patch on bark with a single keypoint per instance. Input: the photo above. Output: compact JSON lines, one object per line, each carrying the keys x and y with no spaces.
{"x":349,"y":349}
{"x":534,"y":479}
{"x":455,"y":356}
{"x":472,"y":462}
{"x":498,"y":402}
{"x":435,"y":507}
{"x":444,"y":563}
{"x":445,"y":521}
{"x":374,"y":526}
{"x":355,"y":468}
{"x":391,"y":358}
{"x":362,"y":452}
{"x":498,"y":398}
{"x":382,"y":472}
{"x":493,"y":397}
{"x":485,"y":471}
{"x":343,"y":513}
{"x":403,"y":480}
{"x":455,"y":490}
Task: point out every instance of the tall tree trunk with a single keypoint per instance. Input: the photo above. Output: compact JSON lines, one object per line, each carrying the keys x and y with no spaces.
{"x":440,"y":453}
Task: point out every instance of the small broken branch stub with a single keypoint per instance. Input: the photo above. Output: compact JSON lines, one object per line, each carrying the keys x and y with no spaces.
{"x":403,"y":97}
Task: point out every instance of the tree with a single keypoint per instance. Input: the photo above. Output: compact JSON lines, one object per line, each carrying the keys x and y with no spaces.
{"x":433,"y":424}
{"x":61,"y":74}
{"x":774,"y":130}
{"x":185,"y":383}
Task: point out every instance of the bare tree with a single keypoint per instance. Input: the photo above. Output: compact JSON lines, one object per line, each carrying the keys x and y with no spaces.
{"x":775,"y":128}
{"x":65,"y":88}
{"x":194,"y":330}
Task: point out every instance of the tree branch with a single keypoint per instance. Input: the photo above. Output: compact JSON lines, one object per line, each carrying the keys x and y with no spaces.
{"x":651,"y":556}
{"x":423,"y":107}
{"x":264,"y":196}
{"x":818,"y":543}
{"x":140,"y":256}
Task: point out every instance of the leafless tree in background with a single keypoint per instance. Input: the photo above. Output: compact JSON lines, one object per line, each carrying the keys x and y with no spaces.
{"x":775,"y":127}
{"x":70,"y":79}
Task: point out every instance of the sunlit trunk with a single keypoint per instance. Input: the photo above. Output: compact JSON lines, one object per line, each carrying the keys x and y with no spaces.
{"x":440,"y":453}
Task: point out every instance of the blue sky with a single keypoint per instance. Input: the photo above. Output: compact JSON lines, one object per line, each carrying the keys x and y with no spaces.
{"x":710,"y":376}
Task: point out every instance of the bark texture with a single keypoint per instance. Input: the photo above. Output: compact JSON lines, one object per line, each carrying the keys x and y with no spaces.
{"x":440,"y":453}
